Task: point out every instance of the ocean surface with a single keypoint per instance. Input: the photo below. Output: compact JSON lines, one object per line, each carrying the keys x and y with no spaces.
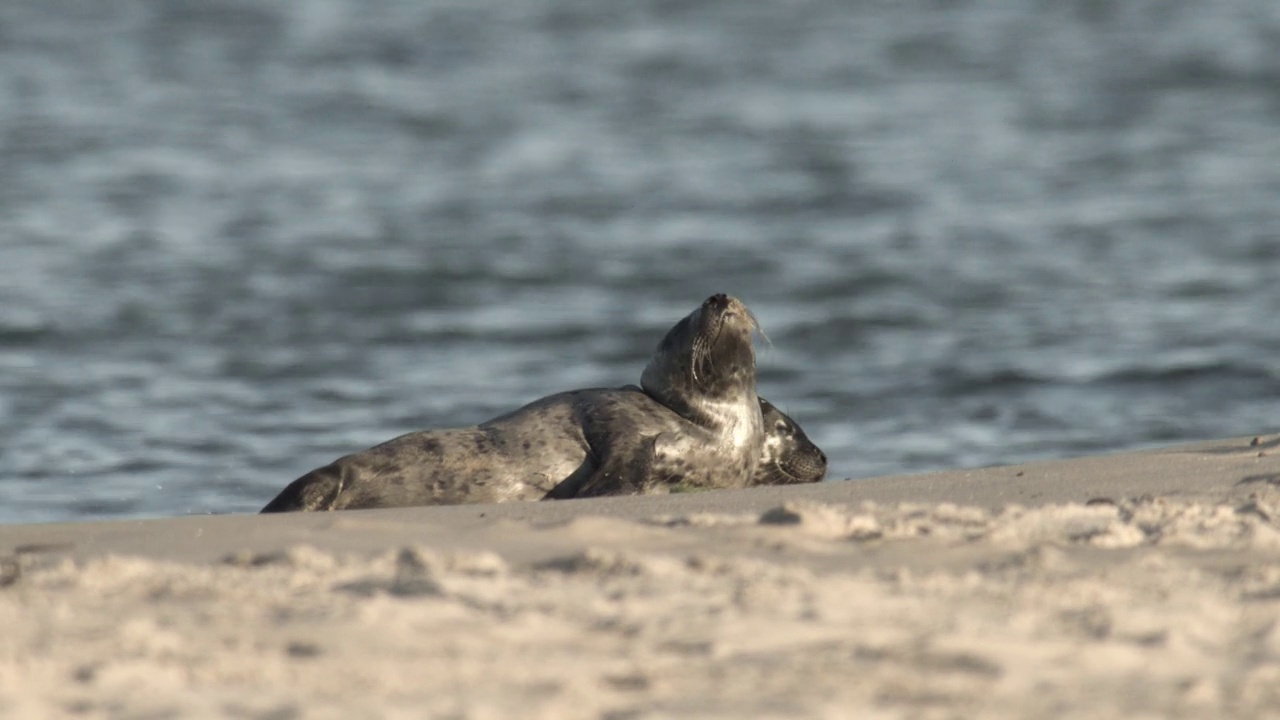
{"x":240,"y":238}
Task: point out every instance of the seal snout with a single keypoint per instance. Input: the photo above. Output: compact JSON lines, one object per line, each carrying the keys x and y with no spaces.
{"x":721,"y":306}
{"x":719,"y":301}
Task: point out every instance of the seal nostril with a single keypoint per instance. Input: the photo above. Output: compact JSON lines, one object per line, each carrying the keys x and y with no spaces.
{"x":717,"y":299}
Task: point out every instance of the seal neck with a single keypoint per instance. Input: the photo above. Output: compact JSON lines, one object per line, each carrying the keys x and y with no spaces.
{"x":704,"y":369}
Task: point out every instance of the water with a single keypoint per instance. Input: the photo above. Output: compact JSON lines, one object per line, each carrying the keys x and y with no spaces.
{"x":239,"y":239}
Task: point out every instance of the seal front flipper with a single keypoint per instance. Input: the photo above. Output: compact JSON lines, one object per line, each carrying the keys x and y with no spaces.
{"x":625,"y":473}
{"x":572,"y":485}
{"x":317,"y":490}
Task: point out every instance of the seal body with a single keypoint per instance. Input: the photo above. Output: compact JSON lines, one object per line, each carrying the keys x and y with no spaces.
{"x":540,"y":451}
{"x":695,"y":422}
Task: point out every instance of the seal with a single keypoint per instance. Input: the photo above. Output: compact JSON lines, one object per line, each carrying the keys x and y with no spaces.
{"x":492,"y":463}
{"x":695,"y":422}
{"x":788,"y":456}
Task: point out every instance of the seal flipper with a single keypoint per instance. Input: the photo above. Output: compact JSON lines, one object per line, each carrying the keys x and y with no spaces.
{"x":572,"y":485}
{"x":317,"y":490}
{"x":625,"y":474}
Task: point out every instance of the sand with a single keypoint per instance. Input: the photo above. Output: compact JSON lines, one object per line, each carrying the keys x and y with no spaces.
{"x":1138,"y":585}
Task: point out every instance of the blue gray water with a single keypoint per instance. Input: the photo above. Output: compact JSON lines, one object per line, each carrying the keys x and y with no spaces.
{"x":241,"y":238}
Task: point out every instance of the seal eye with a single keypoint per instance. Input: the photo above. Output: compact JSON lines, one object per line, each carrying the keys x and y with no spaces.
{"x":781,"y":426}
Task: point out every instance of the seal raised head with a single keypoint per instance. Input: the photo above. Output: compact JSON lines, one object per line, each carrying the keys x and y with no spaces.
{"x":695,"y":423}
{"x":705,"y":367}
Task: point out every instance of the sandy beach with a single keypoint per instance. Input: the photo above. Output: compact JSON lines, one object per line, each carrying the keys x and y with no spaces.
{"x":1137,"y":585}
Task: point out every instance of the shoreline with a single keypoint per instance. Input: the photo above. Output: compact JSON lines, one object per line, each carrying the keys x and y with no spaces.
{"x":1116,"y":585}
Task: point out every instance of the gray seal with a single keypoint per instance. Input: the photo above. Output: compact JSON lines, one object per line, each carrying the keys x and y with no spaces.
{"x":696,"y":422}
{"x":516,"y":457}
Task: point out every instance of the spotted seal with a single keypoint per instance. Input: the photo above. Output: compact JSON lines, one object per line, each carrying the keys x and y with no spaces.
{"x":787,"y":457}
{"x":695,"y":422}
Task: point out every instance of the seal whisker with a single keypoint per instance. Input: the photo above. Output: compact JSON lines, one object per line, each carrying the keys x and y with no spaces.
{"x":754,"y":323}
{"x":760,"y":332}
{"x":708,"y":360}
{"x":702,"y":357}
{"x":696,"y":354}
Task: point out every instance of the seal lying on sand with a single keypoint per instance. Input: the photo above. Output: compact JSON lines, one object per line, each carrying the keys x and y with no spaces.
{"x":450,"y":468}
{"x":697,"y":423}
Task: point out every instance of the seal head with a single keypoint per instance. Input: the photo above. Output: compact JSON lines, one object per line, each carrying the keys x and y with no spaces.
{"x":788,"y":456}
{"x":706,"y":363}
